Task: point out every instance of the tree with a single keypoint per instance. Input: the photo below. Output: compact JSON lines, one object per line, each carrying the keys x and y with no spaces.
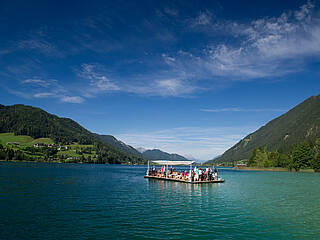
{"x":259,"y":158}
{"x":316,"y":163}
{"x":301,"y":156}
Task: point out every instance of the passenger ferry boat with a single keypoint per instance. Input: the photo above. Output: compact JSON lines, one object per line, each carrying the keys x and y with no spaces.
{"x":193,"y":176}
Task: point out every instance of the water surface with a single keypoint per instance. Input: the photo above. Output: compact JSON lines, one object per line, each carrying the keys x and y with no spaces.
{"x":79,"y":201}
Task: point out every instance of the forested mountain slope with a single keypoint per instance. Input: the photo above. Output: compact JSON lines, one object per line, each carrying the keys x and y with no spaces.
{"x":119,"y":144}
{"x":302,"y":123}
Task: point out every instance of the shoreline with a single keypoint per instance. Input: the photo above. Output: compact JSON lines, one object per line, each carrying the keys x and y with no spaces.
{"x":26,"y":161}
{"x":271,"y":169}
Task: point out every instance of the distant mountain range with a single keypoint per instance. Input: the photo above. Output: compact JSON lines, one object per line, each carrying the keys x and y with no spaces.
{"x":156,"y":154}
{"x":37,"y":123}
{"x":153,"y":154}
{"x":302,"y":123}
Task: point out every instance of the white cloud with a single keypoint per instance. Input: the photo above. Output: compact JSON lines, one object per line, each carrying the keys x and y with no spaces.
{"x":98,"y":81}
{"x":43,"y":95}
{"x":202,"y":143}
{"x":39,"y":82}
{"x":74,"y":99}
{"x":46,"y":88}
{"x":163,"y":87}
{"x":265,"y":47}
{"x":203,"y":19}
{"x":151,"y":85}
{"x":104,"y":84}
{"x":304,"y":11}
{"x":167,"y":59}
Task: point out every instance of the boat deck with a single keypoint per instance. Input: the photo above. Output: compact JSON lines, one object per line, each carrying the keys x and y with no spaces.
{"x":184,"y":181}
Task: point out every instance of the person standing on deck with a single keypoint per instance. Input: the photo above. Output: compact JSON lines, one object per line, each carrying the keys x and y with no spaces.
{"x":196,"y":174}
{"x":207,"y":173}
{"x":215,"y":174}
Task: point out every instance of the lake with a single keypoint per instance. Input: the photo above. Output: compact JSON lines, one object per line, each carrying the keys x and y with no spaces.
{"x":80,"y":201}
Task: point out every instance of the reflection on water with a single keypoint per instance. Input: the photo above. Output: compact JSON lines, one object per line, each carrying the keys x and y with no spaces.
{"x":70,"y":201}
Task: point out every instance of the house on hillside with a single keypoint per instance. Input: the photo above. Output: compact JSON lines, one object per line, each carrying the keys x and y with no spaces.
{"x":241,"y":165}
{"x":51,"y":145}
{"x":63,"y":148}
{"x":39,"y":145}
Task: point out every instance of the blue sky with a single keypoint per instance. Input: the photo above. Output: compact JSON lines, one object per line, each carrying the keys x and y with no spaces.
{"x":190,"y":77}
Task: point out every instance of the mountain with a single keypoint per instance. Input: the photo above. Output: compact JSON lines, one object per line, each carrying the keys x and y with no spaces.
{"x":109,"y":139}
{"x":302,"y":123}
{"x":156,"y":154}
{"x":37,"y":123}
{"x":141,"y":149}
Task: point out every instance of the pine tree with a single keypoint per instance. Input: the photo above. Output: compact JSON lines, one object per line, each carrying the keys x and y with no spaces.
{"x":301,"y":156}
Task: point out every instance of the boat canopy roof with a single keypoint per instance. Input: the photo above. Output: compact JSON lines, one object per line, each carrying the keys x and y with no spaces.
{"x":169,"y":162}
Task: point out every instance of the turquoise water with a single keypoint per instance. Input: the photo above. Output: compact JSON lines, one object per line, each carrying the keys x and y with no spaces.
{"x":70,"y":201}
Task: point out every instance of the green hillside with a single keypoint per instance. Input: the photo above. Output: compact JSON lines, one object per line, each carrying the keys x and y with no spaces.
{"x":34,"y":122}
{"x":300,"y":124}
{"x":28,"y":125}
{"x":7,"y":138}
{"x":11,"y":138}
{"x":109,"y":139}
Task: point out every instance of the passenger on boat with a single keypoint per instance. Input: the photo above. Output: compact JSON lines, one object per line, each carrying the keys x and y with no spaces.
{"x":196,"y":175}
{"x":210,"y":174}
{"x":200,"y":174}
{"x":215,"y":174}
{"x":153,"y":172}
{"x":185,"y":175}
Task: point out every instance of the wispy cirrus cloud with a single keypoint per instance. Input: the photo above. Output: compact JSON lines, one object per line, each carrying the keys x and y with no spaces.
{"x":71,"y":99}
{"x":38,"y":41}
{"x":45,"y":88}
{"x":98,"y":80}
{"x":265,"y":47}
{"x":160,"y":85}
{"x":40,"y":82}
{"x":40,"y":45}
{"x":203,"y":19}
